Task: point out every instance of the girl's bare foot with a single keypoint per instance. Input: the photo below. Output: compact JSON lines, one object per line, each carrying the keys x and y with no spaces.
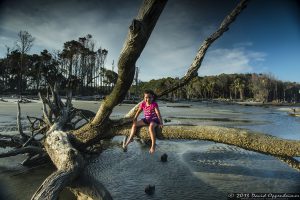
{"x":152,"y":150}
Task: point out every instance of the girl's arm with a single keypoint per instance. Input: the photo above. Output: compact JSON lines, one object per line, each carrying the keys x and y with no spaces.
{"x":137,"y":114}
{"x":158,"y":115}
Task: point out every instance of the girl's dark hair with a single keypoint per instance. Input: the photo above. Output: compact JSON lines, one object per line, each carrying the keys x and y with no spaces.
{"x":152,"y":93}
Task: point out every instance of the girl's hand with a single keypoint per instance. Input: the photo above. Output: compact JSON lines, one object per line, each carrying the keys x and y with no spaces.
{"x":161,"y":125}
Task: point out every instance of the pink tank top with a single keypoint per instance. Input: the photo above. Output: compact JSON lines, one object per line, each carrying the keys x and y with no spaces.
{"x":149,"y":111}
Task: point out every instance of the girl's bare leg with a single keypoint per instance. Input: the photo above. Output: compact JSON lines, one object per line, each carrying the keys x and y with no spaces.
{"x":152,"y":136}
{"x":133,"y":130}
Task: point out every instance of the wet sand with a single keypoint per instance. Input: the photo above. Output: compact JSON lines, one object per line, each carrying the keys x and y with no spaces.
{"x":195,"y":169}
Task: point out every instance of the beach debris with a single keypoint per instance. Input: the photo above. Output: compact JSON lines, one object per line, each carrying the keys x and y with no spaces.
{"x":150,"y":189}
{"x":164,"y":158}
{"x":167,"y":120}
{"x":3,"y":100}
{"x":24,"y":100}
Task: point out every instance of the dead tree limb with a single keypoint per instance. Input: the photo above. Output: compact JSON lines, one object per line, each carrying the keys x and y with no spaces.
{"x":282,"y":149}
{"x":40,"y":131}
{"x":245,"y":139}
{"x":138,"y":35}
{"x":193,"y":69}
{"x":19,"y":124}
{"x":46,"y":115}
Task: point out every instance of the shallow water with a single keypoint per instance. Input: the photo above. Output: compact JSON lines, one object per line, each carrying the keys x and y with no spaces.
{"x":195,"y":169}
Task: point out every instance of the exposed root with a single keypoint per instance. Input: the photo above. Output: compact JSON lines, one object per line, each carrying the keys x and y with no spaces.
{"x":19,"y":125}
{"x":47,"y":115}
{"x":54,"y":184}
{"x":36,"y":123}
{"x":68,"y":161}
{"x":41,"y":131}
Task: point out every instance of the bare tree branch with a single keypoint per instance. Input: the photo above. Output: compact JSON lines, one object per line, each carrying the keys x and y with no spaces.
{"x":138,"y":35}
{"x":45,"y":111}
{"x":69,"y":99}
{"x":19,"y":124}
{"x":40,"y":131}
{"x":193,"y":70}
{"x":55,"y":97}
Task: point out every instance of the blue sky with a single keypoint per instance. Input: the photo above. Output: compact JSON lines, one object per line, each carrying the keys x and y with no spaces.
{"x":265,"y":38}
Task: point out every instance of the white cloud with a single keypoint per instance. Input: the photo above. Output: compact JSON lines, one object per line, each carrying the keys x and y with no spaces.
{"x":169,"y":51}
{"x":174,"y":59}
{"x":55,"y":25}
{"x":228,"y":61}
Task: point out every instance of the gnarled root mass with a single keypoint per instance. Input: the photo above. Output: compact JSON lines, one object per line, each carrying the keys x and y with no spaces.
{"x":68,"y":162}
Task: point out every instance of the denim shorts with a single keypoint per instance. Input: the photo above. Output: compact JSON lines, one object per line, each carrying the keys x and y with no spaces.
{"x":148,"y":121}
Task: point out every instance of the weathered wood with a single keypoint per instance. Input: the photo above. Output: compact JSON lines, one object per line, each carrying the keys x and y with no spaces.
{"x":46,"y":115}
{"x":56,"y":100}
{"x":67,"y":160}
{"x":245,"y":139}
{"x":32,"y":138}
{"x":19,"y":124}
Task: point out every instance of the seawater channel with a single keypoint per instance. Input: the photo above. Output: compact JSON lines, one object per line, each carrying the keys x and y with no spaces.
{"x":195,"y":169}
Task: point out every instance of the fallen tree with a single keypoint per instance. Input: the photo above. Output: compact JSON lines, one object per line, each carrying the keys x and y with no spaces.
{"x":58,"y":135}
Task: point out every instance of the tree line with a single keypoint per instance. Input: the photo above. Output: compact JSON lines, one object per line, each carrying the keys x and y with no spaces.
{"x":79,"y":65}
{"x":256,"y":87}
